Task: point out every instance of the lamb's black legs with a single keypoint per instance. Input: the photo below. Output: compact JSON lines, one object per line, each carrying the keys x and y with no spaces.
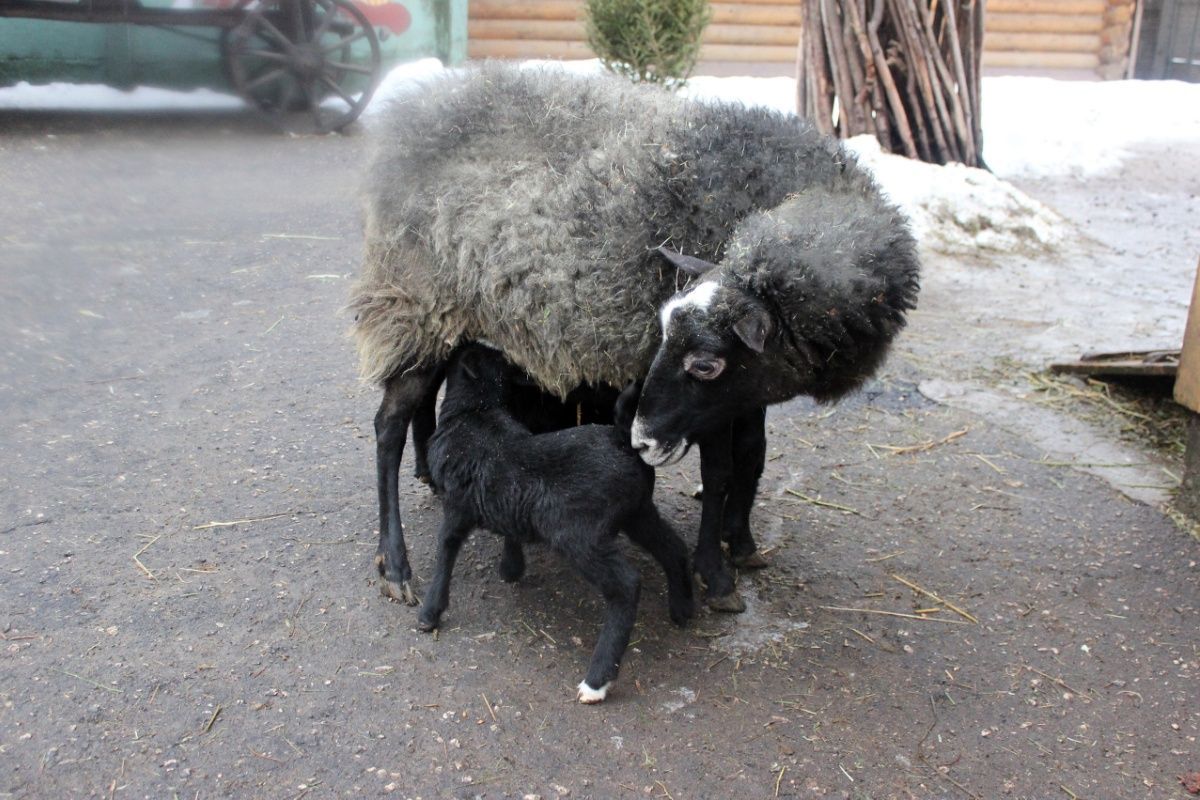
{"x":749,"y":456}
{"x":650,"y":531}
{"x":437,"y":597}
{"x":402,"y":395}
{"x":605,"y":568}
{"x":716,"y":471}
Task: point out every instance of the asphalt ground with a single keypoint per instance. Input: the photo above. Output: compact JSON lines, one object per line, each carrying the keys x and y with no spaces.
{"x":187,"y":520}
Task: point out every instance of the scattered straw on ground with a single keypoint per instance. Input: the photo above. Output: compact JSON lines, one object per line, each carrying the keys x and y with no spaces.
{"x":1144,"y":416}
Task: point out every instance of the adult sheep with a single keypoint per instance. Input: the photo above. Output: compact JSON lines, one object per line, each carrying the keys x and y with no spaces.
{"x":533,"y":210}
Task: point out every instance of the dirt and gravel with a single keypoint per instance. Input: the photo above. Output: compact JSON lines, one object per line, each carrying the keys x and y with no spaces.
{"x":187,"y":518}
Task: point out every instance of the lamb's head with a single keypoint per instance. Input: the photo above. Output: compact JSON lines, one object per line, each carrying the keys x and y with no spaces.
{"x":477,"y":377}
{"x":788,"y":312}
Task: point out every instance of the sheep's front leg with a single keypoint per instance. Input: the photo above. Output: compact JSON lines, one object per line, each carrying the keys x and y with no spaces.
{"x":512,"y":563}
{"x":605,"y":568}
{"x":749,"y":457}
{"x":716,"y":470}
{"x":402,"y":395}
{"x":437,"y":597}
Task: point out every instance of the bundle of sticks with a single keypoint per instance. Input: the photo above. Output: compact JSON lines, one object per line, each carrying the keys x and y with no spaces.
{"x":906,"y":71}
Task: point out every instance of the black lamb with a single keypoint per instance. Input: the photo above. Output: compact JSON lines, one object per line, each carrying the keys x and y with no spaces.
{"x":573,"y":489}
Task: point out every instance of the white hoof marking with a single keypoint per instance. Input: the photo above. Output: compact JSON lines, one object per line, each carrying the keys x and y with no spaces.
{"x":589,"y":696}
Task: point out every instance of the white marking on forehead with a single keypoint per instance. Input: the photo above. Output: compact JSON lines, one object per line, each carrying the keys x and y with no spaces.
{"x":700,"y":296}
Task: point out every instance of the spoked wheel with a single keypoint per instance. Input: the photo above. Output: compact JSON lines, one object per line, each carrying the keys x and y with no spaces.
{"x":309,"y":65}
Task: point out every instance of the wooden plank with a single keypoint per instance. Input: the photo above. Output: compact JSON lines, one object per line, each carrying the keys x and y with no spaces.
{"x":753,"y":34}
{"x":528,"y":9}
{"x":1042,"y":23}
{"x":1042,"y":42}
{"x":1187,"y":382}
{"x":1095,"y":7}
{"x":762,"y":54}
{"x":1011,"y":58}
{"x":546,"y":29}
{"x":722,"y":13}
{"x":755,"y":14}
{"x":559,"y":48}
{"x":574,"y":31}
{"x":527,"y":48}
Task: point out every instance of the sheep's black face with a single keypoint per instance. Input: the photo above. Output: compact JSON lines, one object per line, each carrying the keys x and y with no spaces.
{"x":714,"y":364}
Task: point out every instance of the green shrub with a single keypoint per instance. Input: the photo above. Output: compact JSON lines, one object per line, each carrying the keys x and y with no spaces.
{"x":647,"y":40}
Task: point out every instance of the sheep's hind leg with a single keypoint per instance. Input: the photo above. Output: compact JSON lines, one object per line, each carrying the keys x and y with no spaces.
{"x":437,"y":597}
{"x":749,"y":457}
{"x":716,"y":470}
{"x":512,"y":563}
{"x":605,"y":568}
{"x":649,"y":530}
{"x":401,"y":396}
{"x":424,"y":423}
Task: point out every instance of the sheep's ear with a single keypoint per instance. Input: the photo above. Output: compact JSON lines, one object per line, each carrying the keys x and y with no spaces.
{"x":754,"y":328}
{"x":690,"y":264}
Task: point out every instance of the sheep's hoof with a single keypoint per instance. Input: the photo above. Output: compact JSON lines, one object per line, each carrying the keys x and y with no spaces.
{"x":698,"y":492}
{"x":424,"y":477}
{"x":428,"y":626}
{"x":682,"y":610}
{"x":589,"y":696}
{"x":511,"y":571}
{"x":731,"y":603}
{"x":398,"y":590}
{"x":752,"y":560}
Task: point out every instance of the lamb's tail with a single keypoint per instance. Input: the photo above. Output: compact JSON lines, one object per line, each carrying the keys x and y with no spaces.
{"x":626,"y":407}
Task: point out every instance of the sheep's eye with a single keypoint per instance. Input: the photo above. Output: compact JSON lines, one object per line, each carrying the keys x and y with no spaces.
{"x":704,"y":366}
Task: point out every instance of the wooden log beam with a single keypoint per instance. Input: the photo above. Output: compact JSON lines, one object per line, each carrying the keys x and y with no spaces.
{"x":765,"y":13}
{"x":527,"y":48}
{"x":1043,"y":42}
{"x":1015,"y":22}
{"x":1046,"y":6}
{"x":1040,"y":60}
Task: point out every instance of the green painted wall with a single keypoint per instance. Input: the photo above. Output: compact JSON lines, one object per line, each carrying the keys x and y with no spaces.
{"x":44,"y":51}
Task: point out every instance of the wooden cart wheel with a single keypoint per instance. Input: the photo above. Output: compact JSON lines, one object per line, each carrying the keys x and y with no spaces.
{"x":309,"y":65}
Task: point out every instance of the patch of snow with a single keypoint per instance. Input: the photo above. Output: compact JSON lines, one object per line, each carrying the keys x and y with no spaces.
{"x":686,"y":697}
{"x":1042,"y":126}
{"x":96,"y":97}
{"x":959,"y":209}
{"x":775,"y":93}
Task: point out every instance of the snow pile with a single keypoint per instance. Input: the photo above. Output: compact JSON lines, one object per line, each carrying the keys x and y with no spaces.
{"x":96,"y":97}
{"x":958,"y":209}
{"x":775,"y":93}
{"x":954,"y":209}
{"x":1042,"y":126}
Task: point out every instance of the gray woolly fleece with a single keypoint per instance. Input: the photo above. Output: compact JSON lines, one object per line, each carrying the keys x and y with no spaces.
{"x":521,"y":207}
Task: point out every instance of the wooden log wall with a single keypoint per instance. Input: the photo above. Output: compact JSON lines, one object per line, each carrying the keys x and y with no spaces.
{"x":1026,"y":34}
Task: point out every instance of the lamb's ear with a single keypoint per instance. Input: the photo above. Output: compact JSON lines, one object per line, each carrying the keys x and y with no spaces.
{"x":753,"y":328}
{"x":690,"y":264}
{"x":470,"y":364}
{"x":626,"y":407}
